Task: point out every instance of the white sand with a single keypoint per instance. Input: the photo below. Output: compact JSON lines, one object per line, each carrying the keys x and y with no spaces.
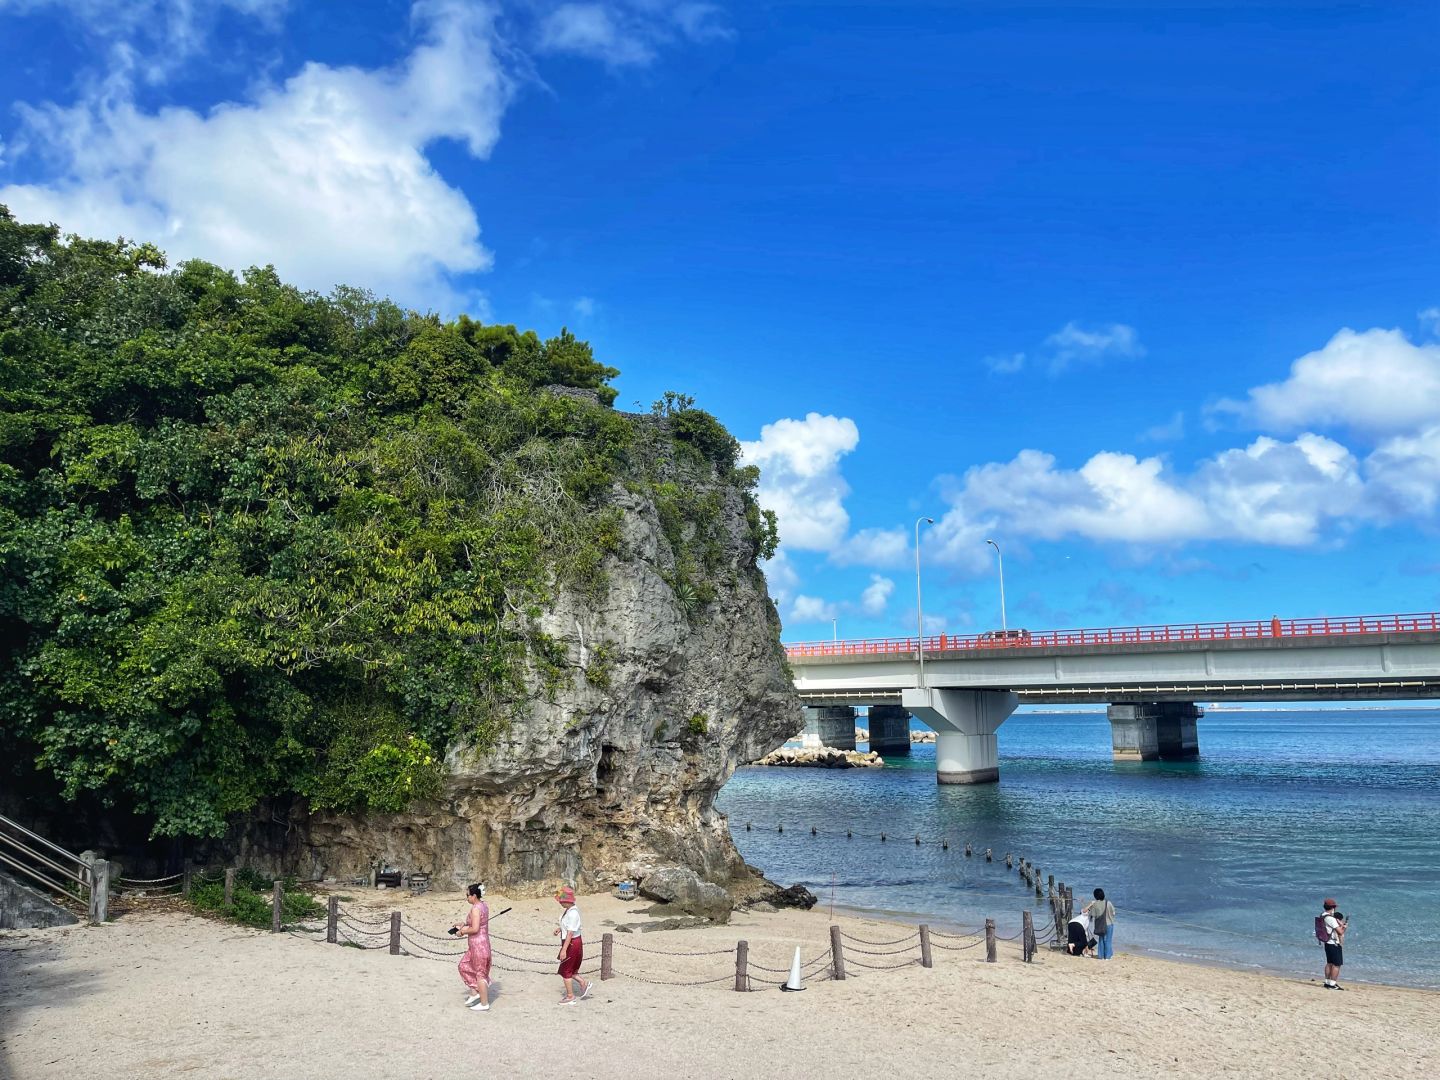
{"x":169,"y":995}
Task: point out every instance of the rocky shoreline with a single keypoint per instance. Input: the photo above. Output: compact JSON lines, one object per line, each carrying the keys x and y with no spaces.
{"x":826,"y":757}
{"x":923,"y":736}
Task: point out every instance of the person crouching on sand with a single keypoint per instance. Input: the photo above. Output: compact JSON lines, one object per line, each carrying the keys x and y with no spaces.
{"x":572,"y":949}
{"x":475,"y":964}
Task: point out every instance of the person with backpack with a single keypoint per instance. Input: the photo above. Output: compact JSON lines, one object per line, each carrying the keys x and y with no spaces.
{"x":1330,"y":931}
{"x":1102,"y":915}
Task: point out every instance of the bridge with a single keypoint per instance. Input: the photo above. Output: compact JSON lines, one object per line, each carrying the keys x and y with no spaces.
{"x":965,"y":686}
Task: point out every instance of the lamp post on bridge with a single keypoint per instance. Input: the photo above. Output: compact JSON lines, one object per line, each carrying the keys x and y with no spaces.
{"x":1001,"y":559}
{"x":919,"y":607}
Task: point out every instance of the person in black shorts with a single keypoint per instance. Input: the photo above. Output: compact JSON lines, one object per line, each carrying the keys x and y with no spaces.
{"x":1336,"y":924}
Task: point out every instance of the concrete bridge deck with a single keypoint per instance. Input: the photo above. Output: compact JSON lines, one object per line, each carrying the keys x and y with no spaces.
{"x":1149,"y":675}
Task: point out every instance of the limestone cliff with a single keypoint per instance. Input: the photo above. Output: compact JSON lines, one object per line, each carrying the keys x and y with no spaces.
{"x":615,"y":770}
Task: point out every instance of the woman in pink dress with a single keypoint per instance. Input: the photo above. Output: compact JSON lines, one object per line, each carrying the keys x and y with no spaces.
{"x":475,"y":964}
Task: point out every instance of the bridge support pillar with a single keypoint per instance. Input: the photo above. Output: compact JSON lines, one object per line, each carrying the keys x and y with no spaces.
{"x":1154,"y":730}
{"x":965,"y":722}
{"x":834,"y":725}
{"x":889,"y":730}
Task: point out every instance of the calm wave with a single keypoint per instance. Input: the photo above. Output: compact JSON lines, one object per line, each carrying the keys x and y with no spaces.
{"x":1225,"y":859}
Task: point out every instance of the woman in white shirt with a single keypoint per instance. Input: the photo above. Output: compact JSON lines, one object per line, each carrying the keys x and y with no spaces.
{"x":572,"y":947}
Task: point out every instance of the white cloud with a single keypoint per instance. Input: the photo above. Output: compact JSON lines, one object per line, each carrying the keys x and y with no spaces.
{"x":812,"y":609}
{"x":1280,"y":493}
{"x":1404,"y":475}
{"x":324,"y":175}
{"x":1072,"y":344}
{"x":629,"y":33}
{"x":1375,"y":381}
{"x":1430,"y":320}
{"x":595,"y":31}
{"x":165,"y":33}
{"x":800,"y":477}
{"x":1171,"y":431}
{"x":876,"y":595}
{"x":1007,"y":364}
{"x":781,"y":578}
{"x":873,"y":547}
{"x":584,"y":307}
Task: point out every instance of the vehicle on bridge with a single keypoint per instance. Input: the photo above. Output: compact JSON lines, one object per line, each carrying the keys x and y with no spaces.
{"x":1001,"y":638}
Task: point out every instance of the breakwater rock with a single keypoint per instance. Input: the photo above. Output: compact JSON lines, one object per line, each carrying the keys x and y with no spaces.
{"x":826,"y":757}
{"x":916,"y":735}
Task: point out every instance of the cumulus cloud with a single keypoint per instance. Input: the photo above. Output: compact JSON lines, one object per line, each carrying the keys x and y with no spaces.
{"x":629,"y":33}
{"x":812,"y":609}
{"x":876,"y":595}
{"x":1430,"y":320}
{"x":873,"y":547}
{"x":1374,"y":381}
{"x":325,"y":175}
{"x":1006,"y":364}
{"x":800,"y":477}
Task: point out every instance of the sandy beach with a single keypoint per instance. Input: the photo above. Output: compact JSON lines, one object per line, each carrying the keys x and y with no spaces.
{"x":166,"y":994}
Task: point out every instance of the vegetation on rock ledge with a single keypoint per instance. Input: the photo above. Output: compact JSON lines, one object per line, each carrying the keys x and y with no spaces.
{"x":256,"y":541}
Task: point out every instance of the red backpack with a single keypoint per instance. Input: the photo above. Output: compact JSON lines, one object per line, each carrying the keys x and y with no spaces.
{"x":1322,"y":932}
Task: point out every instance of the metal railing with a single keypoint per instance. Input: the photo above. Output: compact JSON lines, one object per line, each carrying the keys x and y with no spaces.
{"x":1345,"y":626}
{"x":46,"y":864}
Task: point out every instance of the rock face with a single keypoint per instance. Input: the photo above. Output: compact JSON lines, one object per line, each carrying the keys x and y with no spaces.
{"x":23,"y":908}
{"x":682,"y":888}
{"x":614,"y":773}
{"x":826,"y":757}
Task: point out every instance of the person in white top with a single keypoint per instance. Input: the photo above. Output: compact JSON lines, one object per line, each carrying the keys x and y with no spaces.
{"x":572,"y":948}
{"x":1336,"y":924}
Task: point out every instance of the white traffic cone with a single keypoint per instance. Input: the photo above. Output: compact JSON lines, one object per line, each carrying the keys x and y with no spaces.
{"x":794,"y":982}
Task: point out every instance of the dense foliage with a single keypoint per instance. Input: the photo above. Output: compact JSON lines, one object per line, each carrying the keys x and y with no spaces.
{"x":256,"y":541}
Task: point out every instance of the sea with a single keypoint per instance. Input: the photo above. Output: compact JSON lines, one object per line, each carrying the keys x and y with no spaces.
{"x":1225,"y":860}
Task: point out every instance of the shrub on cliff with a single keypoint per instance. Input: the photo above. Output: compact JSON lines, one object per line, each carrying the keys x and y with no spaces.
{"x":256,"y":541}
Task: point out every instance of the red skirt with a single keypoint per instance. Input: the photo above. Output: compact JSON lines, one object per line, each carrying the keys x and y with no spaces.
{"x":574,"y":953}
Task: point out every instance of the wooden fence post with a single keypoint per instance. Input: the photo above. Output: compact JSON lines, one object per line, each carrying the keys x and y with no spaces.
{"x":607,"y":957}
{"x":277,"y":898}
{"x":837,"y":954}
{"x":1027,"y":934}
{"x":925,"y":959}
{"x":742,"y":964}
{"x":1069,"y":904}
{"x":229,"y":886}
{"x":332,"y":921}
{"x":990,"y":941}
{"x":394,"y":933}
{"x":99,"y":909}
{"x":185,"y":877}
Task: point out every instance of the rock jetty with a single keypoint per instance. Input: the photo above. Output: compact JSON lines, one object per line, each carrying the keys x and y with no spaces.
{"x":826,"y":757}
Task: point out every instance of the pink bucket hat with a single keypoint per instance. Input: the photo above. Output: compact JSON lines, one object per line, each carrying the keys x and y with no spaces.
{"x":565,"y":894}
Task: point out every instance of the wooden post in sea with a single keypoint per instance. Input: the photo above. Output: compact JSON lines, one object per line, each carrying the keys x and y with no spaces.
{"x":229,"y":886}
{"x":277,"y":897}
{"x":394,"y":933}
{"x":1052,"y":884}
{"x":742,"y":964}
{"x":332,"y":921}
{"x":925,"y":958}
{"x":990,"y":941}
{"x":607,"y":957}
{"x":1027,"y":934}
{"x":989,"y":855}
{"x":837,"y":955}
{"x":1069,"y":904}
{"x":1009,"y":861}
{"x":967,"y":849}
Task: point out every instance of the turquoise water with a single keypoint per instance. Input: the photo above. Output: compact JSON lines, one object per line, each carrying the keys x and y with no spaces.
{"x":1224,"y":860}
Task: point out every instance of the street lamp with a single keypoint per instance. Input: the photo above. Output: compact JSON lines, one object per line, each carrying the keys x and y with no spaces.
{"x":834,"y":629}
{"x":919,"y":607}
{"x":1001,"y":558}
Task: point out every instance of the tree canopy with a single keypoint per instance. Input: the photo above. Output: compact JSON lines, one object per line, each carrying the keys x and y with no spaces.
{"x":257,"y":541}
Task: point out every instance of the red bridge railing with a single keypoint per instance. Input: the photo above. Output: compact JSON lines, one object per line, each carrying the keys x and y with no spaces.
{"x":1127,"y":635}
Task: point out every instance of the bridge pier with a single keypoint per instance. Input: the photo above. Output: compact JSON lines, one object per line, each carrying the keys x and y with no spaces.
{"x":889,"y":730}
{"x":1154,"y":730}
{"x":965,"y":722}
{"x":830,"y":725}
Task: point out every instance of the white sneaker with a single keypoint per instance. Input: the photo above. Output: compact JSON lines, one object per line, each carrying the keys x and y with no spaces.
{"x":471,"y":1000}
{"x":478,"y":1007}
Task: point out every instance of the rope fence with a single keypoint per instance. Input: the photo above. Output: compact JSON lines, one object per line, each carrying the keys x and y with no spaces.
{"x":847,"y":950}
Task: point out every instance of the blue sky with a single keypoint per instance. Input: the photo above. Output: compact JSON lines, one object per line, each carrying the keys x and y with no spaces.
{"x":1147,"y":292}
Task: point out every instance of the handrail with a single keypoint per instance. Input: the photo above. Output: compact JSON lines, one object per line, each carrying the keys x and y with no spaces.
{"x":23,"y":858}
{"x":1319,"y":626}
{"x":6,"y":822}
